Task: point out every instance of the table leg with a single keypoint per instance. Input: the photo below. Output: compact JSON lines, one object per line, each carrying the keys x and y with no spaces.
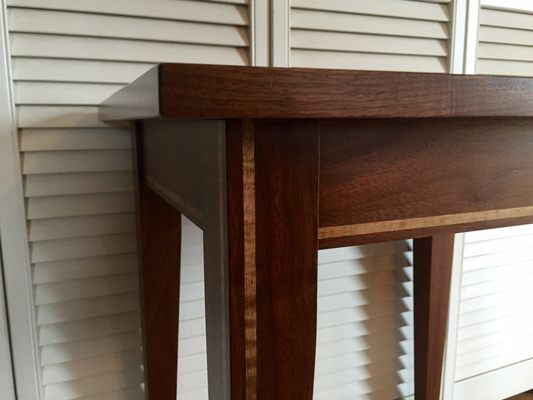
{"x":432,"y":278}
{"x":160,"y":282}
{"x":273,"y":248}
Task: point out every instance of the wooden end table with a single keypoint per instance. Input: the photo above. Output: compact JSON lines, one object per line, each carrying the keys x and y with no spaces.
{"x":274,"y":164}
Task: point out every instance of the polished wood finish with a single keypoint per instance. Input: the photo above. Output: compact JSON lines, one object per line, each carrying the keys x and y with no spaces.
{"x":160,"y":275}
{"x":357,"y":239}
{"x":286,"y":191}
{"x":242,"y":380}
{"x":432,"y":277}
{"x":273,"y":227}
{"x":226,"y":92}
{"x":302,"y":158}
{"x":413,"y":174}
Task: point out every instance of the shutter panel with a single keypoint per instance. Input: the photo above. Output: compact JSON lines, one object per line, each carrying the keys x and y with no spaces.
{"x":192,"y":356}
{"x":67,"y":57}
{"x":365,"y":335}
{"x":365,"y":304}
{"x":395,"y":35}
{"x":505,"y":43}
{"x":495,"y":322}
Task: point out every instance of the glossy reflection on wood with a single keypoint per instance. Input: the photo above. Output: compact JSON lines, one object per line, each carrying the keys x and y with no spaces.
{"x":344,"y":157}
{"x":417,"y":173}
{"x":160,"y":280}
{"x":433,"y":257}
{"x":227,"y":92}
{"x":273,"y":228}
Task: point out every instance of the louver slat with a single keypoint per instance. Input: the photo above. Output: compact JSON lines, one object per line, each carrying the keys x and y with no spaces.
{"x":67,"y":57}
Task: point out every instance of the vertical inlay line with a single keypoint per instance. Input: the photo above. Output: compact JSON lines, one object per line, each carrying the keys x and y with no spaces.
{"x":250,"y":278}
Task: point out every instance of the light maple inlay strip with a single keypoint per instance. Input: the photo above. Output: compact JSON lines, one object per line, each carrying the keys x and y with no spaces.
{"x":331,"y":232}
{"x":250,"y":279}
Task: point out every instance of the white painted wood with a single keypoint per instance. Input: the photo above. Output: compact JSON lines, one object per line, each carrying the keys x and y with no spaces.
{"x":448,"y":378}
{"x":65,"y":249}
{"x":260,"y":32}
{"x":95,"y":385}
{"x":472,"y":28}
{"x":192,"y":355}
{"x":37,"y":185}
{"x":63,"y":93}
{"x":65,"y":270}
{"x":65,"y":372}
{"x":393,"y":8}
{"x":505,"y":52}
{"x":495,"y":323}
{"x":51,"y":162}
{"x":198,"y":11}
{"x":76,"y":205}
{"x":458,"y":41}
{"x":68,"y":70}
{"x":67,"y":57}
{"x":280,"y":33}
{"x":381,"y":35}
{"x":351,"y":42}
{"x":82,"y":24}
{"x":364,"y":322}
{"x":364,"y":61}
{"x":87,"y":288}
{"x":505,"y":41}
{"x":15,"y":257}
{"x":87,"y":308}
{"x":496,"y":384}
{"x":501,"y":18}
{"x":71,"y":227}
{"x":370,"y":24}
{"x":506,"y":35}
{"x":74,"y":139}
{"x":513,"y":5}
{"x":56,"y":46}
{"x":59,"y":117}
{"x":7,"y":381}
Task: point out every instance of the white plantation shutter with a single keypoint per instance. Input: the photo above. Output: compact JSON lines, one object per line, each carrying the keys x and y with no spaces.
{"x":496,"y":313}
{"x":505,"y":42}
{"x":395,"y":35}
{"x":192,"y":360}
{"x":67,"y":57}
{"x":495,"y":326}
{"x":365,"y":321}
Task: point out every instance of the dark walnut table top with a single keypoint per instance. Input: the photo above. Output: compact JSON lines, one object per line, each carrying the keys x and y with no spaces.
{"x":227,"y":92}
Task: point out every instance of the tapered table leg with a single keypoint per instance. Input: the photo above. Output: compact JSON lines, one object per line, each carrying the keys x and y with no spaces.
{"x":273,"y":247}
{"x":432,"y":277}
{"x":160,"y":281}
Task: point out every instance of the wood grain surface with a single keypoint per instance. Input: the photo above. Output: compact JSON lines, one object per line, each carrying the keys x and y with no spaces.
{"x":408,"y":174}
{"x":286,"y":186}
{"x":273,"y":228}
{"x":160,"y":276}
{"x":432,"y":277}
{"x":396,"y":154}
{"x":242,"y":383}
{"x":212,"y":91}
